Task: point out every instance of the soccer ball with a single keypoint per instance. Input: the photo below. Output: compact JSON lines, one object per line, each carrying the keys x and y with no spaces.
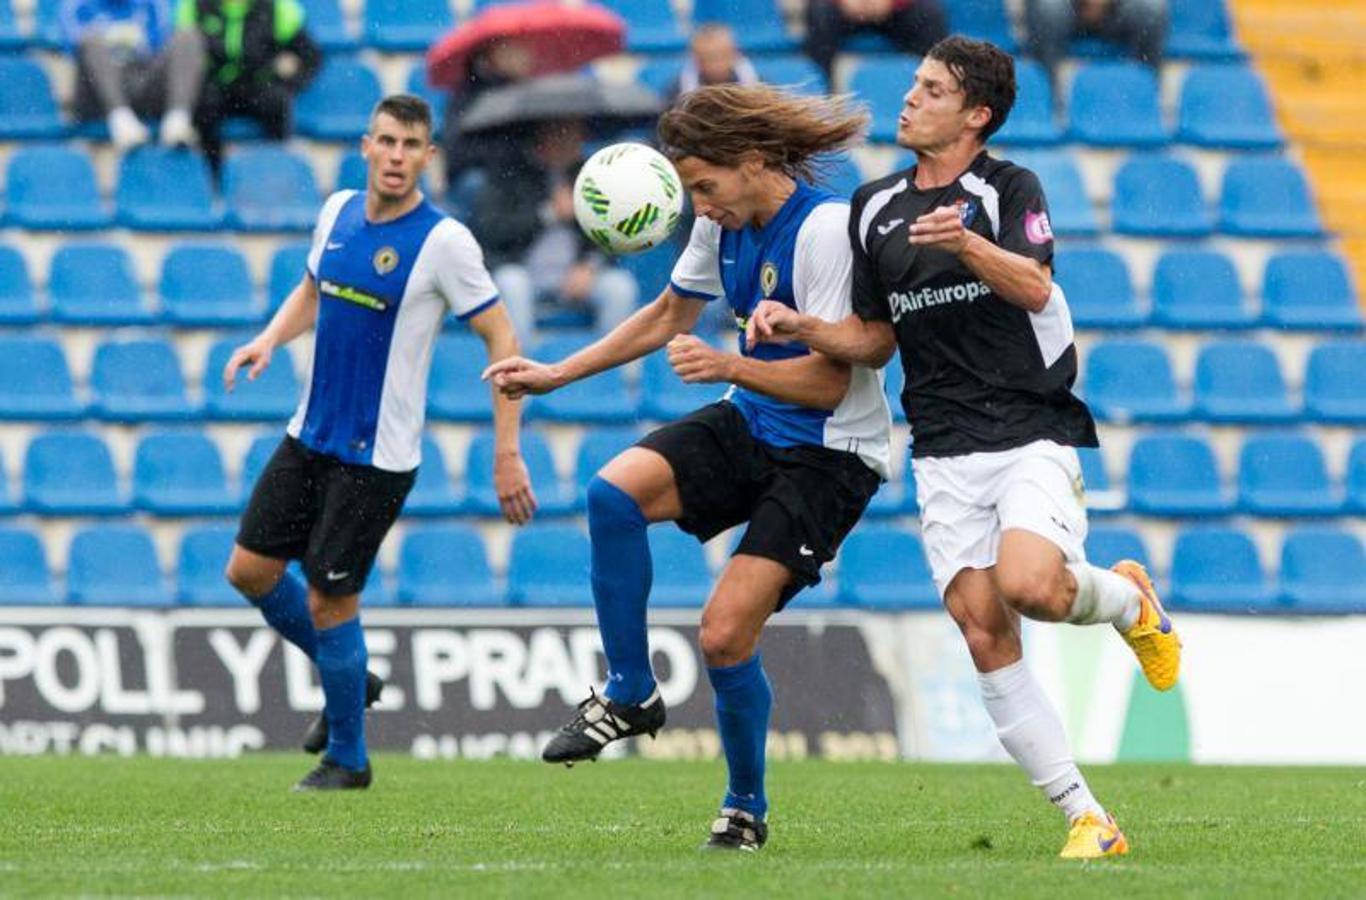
{"x":628,"y":198}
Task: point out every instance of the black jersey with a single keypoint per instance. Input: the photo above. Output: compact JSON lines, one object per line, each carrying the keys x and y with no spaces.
{"x":981,"y":373}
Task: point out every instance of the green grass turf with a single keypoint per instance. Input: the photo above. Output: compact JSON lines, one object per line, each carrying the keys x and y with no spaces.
{"x":632,"y":828}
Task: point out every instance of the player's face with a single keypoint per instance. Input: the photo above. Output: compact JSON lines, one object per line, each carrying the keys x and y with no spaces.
{"x":396,"y":153}
{"x":719,"y":193}
{"x":933,"y":115}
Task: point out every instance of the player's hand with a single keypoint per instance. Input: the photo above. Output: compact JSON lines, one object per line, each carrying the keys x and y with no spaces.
{"x":941,"y":228}
{"x":255,"y":353}
{"x":698,"y":362}
{"x":518,"y":376}
{"x":771,"y":322}
{"x":513,"y":484}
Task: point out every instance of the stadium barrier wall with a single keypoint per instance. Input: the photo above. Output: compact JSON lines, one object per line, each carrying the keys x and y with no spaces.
{"x":848,"y":685}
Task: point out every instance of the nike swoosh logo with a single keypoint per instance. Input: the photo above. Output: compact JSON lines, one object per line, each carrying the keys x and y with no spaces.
{"x":331,"y":246}
{"x":806,"y":551}
{"x":885,"y":230}
{"x":1106,"y":845}
{"x":336,"y":576}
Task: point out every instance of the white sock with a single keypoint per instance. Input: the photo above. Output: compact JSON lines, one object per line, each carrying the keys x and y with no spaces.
{"x":1032,"y":734}
{"x":1103,"y":596}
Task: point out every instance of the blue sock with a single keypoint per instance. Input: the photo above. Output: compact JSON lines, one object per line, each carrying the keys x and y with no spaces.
{"x":285,"y":609}
{"x":341,"y":664}
{"x":743,"y":700}
{"x":621,"y":586}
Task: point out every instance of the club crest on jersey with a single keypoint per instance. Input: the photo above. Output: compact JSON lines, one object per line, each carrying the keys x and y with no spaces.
{"x":768,"y":278}
{"x":386,"y":260}
{"x":966,"y":210}
{"x":1037,"y":228}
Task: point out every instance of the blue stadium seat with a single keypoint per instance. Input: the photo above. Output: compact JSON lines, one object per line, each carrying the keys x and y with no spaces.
{"x":554,"y":496}
{"x":1200,"y":29}
{"x":1285,"y":475}
{"x":841,"y":175}
{"x":11,"y":38}
{"x":1356,"y":478}
{"x":352,"y":172}
{"x":47,"y":24}
{"x":1333,"y":383}
{"x":793,"y":71}
{"x":1031,"y":120}
{"x":405,"y":26}
{"x":35,"y":381}
{"x":1108,"y":544}
{"x":1323,"y":570}
{"x":1226,"y":107}
{"x":269,"y":188}
{"x":986,"y":20}
{"x":758,"y":24}
{"x":9,"y":504}
{"x":1070,"y":210}
{"x":1103,"y":497}
{"x":1099,"y":290}
{"x":327,"y":25}
{"x":1267,"y":197}
{"x":27,"y":580}
{"x":18,"y":303}
{"x":1198,"y":289}
{"x":288,"y":266}
{"x":28,"y":108}
{"x":454,"y":391}
{"x":665,"y":396}
{"x":1132,"y":381}
{"x":1176,"y":475}
{"x":180,"y":473}
{"x":165,"y":190}
{"x":882,"y":83}
{"x":254,"y":461}
{"x":885,"y":568}
{"x":115,"y":565}
{"x":1240,"y":381}
{"x":1158,"y":196}
{"x":1217,"y":569}
{"x":138,"y":380}
{"x":650,"y":25}
{"x":1309,"y":289}
{"x":896,"y":497}
{"x":52,"y":188}
{"x":599,"y":447}
{"x":658,"y":72}
{"x":439,"y":98}
{"x":548,"y":566}
{"x":94,"y":284}
{"x":681,"y":576}
{"x":445,"y":565}
{"x":204,"y":552}
{"x":433,"y":494}
{"x":272,"y":396}
{"x":1115,"y":104}
{"x":207,"y":286}
{"x":652,"y":269}
{"x":336,"y":105}
{"x":603,"y":399}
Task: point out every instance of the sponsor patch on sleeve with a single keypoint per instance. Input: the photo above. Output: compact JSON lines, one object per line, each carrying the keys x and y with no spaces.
{"x":1036,"y":227}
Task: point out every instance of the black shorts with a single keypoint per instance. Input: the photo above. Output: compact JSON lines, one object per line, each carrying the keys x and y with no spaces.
{"x":800,"y":502}
{"x":331,"y":515}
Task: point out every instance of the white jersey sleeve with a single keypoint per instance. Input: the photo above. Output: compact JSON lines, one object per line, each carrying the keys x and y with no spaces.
{"x":461,"y":277}
{"x":327,"y":217}
{"x":697,"y":274}
{"x":823,"y":264}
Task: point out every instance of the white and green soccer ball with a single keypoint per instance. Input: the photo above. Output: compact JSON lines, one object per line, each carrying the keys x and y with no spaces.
{"x":628,"y":198}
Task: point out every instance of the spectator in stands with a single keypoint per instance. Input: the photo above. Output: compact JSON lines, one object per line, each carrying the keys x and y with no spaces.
{"x":130,"y":65}
{"x":1139,"y":25}
{"x":714,"y":60}
{"x":524,"y":220}
{"x":494,"y":65}
{"x":257,"y":57}
{"x":913,"y":26}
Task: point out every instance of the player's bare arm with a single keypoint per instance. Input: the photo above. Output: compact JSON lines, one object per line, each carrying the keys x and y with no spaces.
{"x":1017,"y":279}
{"x":295,"y":316}
{"x":511,"y":480}
{"x":650,"y":328}
{"x":851,"y":339}
{"x":814,"y":380}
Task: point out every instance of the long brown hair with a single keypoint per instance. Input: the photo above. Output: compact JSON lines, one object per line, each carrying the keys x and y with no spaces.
{"x":720,"y":122}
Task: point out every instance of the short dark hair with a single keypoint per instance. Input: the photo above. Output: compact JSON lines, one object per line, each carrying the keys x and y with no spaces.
{"x":986,"y":72}
{"x":405,"y":108}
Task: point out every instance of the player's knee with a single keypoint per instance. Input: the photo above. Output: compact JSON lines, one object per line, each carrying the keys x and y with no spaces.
{"x":724,"y":642}
{"x":1033,"y":594}
{"x":991,"y":649}
{"x":252,"y":582}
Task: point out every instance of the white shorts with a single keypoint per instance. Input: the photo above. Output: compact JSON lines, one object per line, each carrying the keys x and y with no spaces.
{"x":967,"y":501}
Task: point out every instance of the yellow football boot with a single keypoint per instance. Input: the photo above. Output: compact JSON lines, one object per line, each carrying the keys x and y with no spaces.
{"x":1152,"y":637}
{"x":1092,"y":837}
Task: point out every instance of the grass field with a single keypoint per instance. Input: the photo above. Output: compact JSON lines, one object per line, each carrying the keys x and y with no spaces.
{"x":632,"y":828}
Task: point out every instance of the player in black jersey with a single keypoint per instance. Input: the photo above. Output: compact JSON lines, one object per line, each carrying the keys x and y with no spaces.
{"x":952,"y":265}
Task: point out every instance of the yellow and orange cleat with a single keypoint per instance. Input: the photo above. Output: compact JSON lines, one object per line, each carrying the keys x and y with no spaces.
{"x":1152,"y":638}
{"x":1093,"y":837}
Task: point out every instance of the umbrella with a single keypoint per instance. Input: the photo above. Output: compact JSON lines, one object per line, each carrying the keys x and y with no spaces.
{"x":562,"y":97}
{"x":559,"y":38}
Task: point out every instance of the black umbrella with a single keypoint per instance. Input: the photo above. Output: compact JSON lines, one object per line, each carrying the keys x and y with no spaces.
{"x":604,"y":106}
